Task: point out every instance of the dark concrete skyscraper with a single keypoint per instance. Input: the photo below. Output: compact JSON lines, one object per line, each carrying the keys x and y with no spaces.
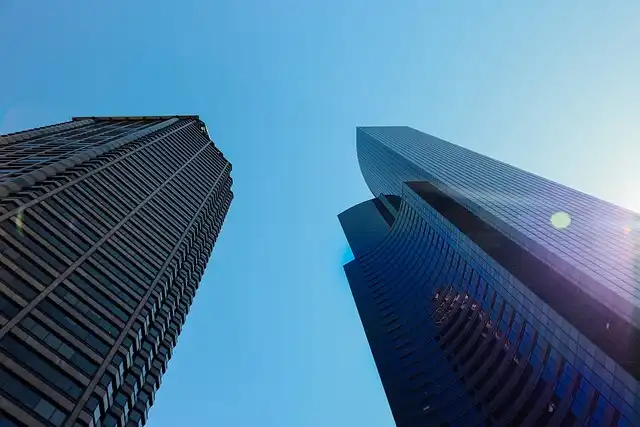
{"x":106,"y":225}
{"x":491,"y":296}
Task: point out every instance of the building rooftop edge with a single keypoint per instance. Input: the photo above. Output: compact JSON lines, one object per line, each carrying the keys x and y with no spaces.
{"x":383,"y":127}
{"x":119,"y":118}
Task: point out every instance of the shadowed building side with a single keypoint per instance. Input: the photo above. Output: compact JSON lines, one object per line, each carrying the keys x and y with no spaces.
{"x":106,"y":226}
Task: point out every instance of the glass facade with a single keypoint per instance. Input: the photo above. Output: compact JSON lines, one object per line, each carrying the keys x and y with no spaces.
{"x":106,"y":226}
{"x":479,"y":308}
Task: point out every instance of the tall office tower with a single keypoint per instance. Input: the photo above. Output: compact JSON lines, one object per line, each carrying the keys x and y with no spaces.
{"x":106,"y":225}
{"x":491,"y":296}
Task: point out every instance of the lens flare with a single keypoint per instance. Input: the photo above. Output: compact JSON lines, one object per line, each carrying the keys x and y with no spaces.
{"x":560,"y":220}
{"x":19,"y":222}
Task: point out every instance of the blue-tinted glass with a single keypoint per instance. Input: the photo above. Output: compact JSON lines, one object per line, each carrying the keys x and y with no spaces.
{"x":623,"y":422}
{"x":506,"y":319}
{"x":475,"y":175}
{"x":527,"y":337}
{"x":550,"y":366}
{"x":482,"y":286}
{"x":580,"y":400}
{"x":598,"y":413}
{"x":511,"y":287}
{"x":537,"y":356}
{"x":515,"y":329}
{"x":564,"y":380}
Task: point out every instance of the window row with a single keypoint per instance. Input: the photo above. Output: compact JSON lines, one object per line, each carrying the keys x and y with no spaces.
{"x":14,"y":389}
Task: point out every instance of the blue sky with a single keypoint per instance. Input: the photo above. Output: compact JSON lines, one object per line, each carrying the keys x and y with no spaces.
{"x":274,"y":338}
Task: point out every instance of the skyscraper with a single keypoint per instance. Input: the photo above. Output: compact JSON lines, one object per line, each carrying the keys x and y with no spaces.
{"x":489,"y":295}
{"x":106,"y":226}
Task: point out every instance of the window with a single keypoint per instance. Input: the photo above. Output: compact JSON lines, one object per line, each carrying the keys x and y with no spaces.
{"x":121,"y":399}
{"x":598,"y":414}
{"x":60,"y":225}
{"x":121,"y":274}
{"x":29,"y":266}
{"x":527,"y":338}
{"x":550,"y":366}
{"x":17,"y":283}
{"x":514,"y":333}
{"x":505,"y":319}
{"x":6,"y":422}
{"x":538,"y":355}
{"x":75,"y":222}
{"x":98,"y":296}
{"x":30,"y":222}
{"x":36,"y":363}
{"x":89,"y":270}
{"x":13,"y":388}
{"x":122,"y":250}
{"x":90,"y":216}
{"x":8,"y":307}
{"x":81,"y":332}
{"x":25,"y":237}
{"x":623,"y":422}
{"x":31,"y":160}
{"x":91,"y":206}
{"x":566,"y":376}
{"x":581,"y":399}
{"x":109,"y":421}
{"x":50,"y":340}
{"x":136,"y":273}
{"x":94,"y":316}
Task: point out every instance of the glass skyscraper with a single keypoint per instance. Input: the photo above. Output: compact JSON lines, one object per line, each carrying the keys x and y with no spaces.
{"x":106,"y":226}
{"x":491,"y":296}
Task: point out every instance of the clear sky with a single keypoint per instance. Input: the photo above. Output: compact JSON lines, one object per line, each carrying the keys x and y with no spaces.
{"x":273,"y":339}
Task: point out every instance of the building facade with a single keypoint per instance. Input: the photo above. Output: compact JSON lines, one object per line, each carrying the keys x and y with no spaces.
{"x":106,"y":226}
{"x":491,"y":296}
